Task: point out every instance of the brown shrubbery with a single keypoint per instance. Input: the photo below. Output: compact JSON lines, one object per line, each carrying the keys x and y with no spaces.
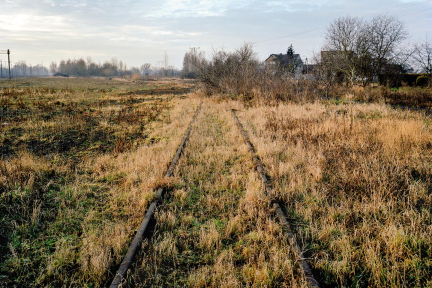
{"x":405,"y":96}
{"x":240,"y":75}
{"x":413,"y":98}
{"x":136,"y":77}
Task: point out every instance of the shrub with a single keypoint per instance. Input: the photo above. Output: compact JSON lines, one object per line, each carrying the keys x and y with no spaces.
{"x":422,"y":81}
{"x":136,"y":77}
{"x":409,"y":97}
{"x":239,"y":74}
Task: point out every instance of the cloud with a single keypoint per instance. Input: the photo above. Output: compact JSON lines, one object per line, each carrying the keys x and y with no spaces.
{"x":25,"y":22}
{"x":50,"y":2}
{"x":66,"y":3}
{"x":137,"y":31}
{"x":193,"y":8}
{"x":298,"y":6}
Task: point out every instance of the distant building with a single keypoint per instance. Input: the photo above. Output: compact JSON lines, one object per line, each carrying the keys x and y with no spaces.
{"x":286,"y":64}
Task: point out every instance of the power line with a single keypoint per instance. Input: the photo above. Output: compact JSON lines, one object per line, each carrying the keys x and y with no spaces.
{"x":365,"y":15}
{"x":416,"y":12}
{"x":317,"y":29}
{"x":396,"y":8}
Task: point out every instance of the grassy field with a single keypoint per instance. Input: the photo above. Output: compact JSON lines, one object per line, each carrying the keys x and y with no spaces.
{"x":357,"y":183}
{"x":80,"y":159}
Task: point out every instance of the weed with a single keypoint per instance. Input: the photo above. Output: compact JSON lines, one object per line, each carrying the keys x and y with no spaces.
{"x":76,"y":172}
{"x":357,"y":182}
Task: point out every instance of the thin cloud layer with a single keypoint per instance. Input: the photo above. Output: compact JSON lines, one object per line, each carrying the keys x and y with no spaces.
{"x":141,"y":31}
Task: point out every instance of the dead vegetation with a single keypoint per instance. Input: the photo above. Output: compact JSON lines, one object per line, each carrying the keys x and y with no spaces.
{"x":240,"y":76}
{"x":80,"y":161}
{"x":172,"y":90}
{"x":79,"y":164}
{"x":215,"y":228}
{"x":409,"y":97}
{"x":356,"y":180}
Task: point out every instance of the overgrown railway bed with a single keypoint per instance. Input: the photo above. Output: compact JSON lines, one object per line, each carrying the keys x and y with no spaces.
{"x":218,"y":226}
{"x":81,"y":160}
{"x":183,"y":270}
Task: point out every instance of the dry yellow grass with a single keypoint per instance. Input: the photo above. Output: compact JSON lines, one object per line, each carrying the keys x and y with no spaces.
{"x":70,"y":206}
{"x":357,"y":181}
{"x":141,"y":172}
{"x":215,"y":228}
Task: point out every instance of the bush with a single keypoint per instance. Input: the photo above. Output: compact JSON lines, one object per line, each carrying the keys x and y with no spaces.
{"x":408,"y":97}
{"x":136,"y":77}
{"x":422,"y":81}
{"x":239,"y":74}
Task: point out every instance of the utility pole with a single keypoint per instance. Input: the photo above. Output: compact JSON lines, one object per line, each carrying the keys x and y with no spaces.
{"x":166,"y":60}
{"x":8,"y":53}
{"x":307,"y":66}
{"x":193,"y":51}
{"x":166,"y":64}
{"x":159,"y":65}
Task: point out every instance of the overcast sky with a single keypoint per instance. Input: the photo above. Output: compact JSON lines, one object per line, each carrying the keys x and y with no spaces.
{"x":140,"y":31}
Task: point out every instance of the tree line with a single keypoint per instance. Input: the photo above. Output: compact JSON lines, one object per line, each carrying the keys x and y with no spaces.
{"x":114,"y":67}
{"x":82,"y":68}
{"x":22,"y":69}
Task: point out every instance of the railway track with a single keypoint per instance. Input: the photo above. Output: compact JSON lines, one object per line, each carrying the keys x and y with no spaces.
{"x":133,"y":248}
{"x":306,"y":273}
{"x":267,"y":183}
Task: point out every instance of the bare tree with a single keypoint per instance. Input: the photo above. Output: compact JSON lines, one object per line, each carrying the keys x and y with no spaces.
{"x":342,"y":38}
{"x":386,"y":35}
{"x":422,"y":57}
{"x":325,"y":73}
{"x":145,"y":68}
{"x":233,"y":73}
{"x":361,"y":50}
{"x":193,"y":63}
{"x":80,"y":67}
{"x":53,"y":67}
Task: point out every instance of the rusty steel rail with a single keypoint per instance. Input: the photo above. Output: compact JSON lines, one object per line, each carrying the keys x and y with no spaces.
{"x":133,"y":248}
{"x":278,"y":209}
